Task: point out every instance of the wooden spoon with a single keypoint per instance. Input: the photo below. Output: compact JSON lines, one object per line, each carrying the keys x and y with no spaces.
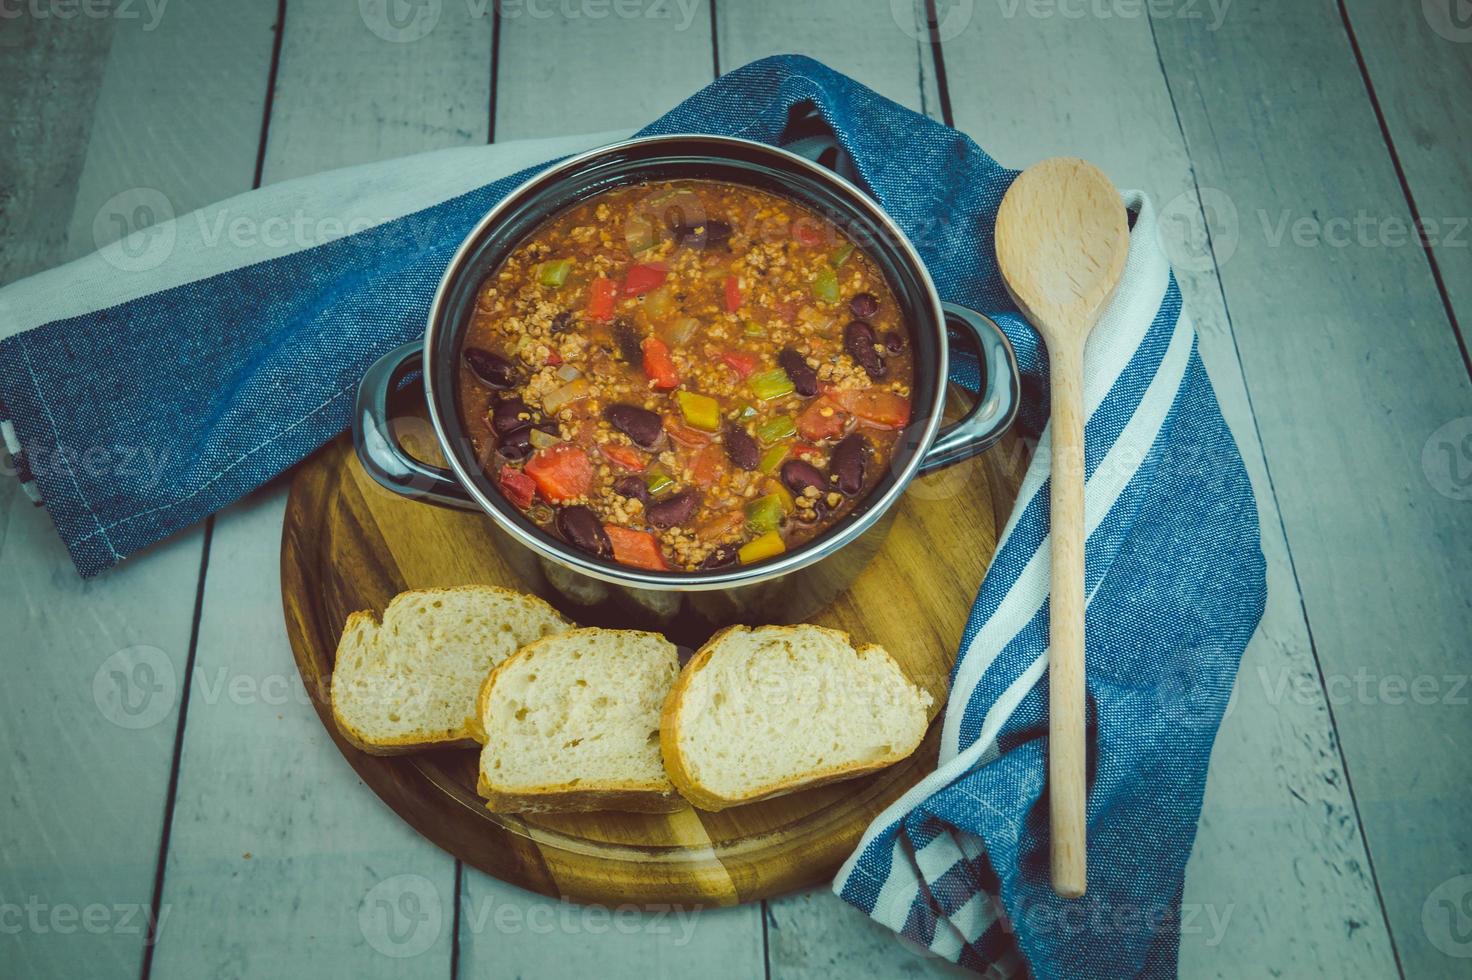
{"x":1062,"y":237}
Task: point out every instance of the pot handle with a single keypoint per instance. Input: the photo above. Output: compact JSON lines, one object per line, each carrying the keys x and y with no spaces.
{"x":824,"y":150}
{"x":996,"y":402}
{"x":379,"y":451}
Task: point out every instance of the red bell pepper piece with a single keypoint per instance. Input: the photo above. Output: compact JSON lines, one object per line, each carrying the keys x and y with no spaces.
{"x":684,"y":434}
{"x":718,"y":527}
{"x":806,"y":231}
{"x":562,"y":472}
{"x":643,"y":278}
{"x":814,"y":426}
{"x":600,"y":299}
{"x":742,"y":363}
{"x":733,"y":294}
{"x":586,"y":434}
{"x":623,"y":456}
{"x":659,"y":367}
{"x":517,"y":487}
{"x":878,"y":406}
{"x":637,"y":549}
{"x":709,"y":466}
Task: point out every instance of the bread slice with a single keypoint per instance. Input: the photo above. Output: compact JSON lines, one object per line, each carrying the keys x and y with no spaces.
{"x":572,"y":723}
{"x":411,"y":682}
{"x":762,"y":712}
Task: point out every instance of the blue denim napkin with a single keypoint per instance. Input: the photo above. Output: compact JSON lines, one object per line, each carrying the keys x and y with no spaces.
{"x":166,"y":377}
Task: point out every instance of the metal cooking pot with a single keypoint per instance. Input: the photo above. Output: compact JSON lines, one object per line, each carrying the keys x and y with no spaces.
{"x":687,"y":605}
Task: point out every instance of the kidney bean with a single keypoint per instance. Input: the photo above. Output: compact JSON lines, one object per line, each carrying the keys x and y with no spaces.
{"x":510,"y":413}
{"x":895,"y":341}
{"x":858,"y":342}
{"x":846,"y":464}
{"x":516,"y":444}
{"x":804,"y":378}
{"x":864,"y":305}
{"x":580,"y":527}
{"x":639,"y":424}
{"x":710,"y":234}
{"x":672,"y":511}
{"x":742,"y":448}
{"x":818,"y":511}
{"x":724,"y":555}
{"x":492,"y":369}
{"x":628,"y":340}
{"x":633,"y":487}
{"x":799,"y":474}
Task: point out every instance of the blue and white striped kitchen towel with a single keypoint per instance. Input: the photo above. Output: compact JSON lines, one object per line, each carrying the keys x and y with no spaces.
{"x":157,"y":381}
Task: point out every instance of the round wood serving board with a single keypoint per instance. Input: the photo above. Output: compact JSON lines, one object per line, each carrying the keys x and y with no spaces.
{"x":349,"y":544}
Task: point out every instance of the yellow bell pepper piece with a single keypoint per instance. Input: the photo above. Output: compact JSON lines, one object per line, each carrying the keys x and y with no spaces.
{"x":700,"y":411}
{"x":766,"y":546}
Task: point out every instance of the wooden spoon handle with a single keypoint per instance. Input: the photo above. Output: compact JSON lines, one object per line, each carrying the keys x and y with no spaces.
{"x":1067,"y":759}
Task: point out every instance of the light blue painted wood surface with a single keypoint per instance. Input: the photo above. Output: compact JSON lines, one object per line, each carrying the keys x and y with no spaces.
{"x":331,"y":872}
{"x":1275,"y":770}
{"x":90,"y":714}
{"x":264,"y":799}
{"x":1352,"y":369}
{"x":1420,"y":58}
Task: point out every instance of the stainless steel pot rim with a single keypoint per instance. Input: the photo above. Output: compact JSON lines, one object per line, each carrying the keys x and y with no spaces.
{"x":731,"y":575}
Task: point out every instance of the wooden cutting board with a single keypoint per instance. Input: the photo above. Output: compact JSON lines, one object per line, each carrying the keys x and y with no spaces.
{"x":348,"y":545}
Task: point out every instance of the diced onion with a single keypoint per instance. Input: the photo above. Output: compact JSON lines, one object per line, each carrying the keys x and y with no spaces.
{"x":814,"y":318}
{"x":554,"y":400}
{"x":568,"y":373}
{"x":681,"y":330}
{"x":660,"y":302}
{"x":542,"y":440}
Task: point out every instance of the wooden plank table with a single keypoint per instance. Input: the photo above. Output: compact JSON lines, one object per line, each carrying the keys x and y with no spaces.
{"x":1335,"y":809}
